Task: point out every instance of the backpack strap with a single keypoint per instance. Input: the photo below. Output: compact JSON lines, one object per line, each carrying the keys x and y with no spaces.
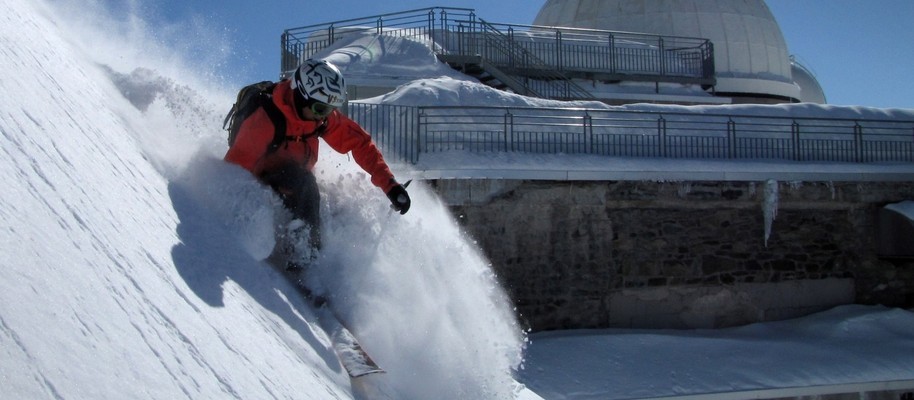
{"x":318,"y":131}
{"x":279,"y":124}
{"x":277,"y":118}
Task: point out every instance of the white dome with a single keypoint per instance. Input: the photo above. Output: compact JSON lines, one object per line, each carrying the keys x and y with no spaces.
{"x":750,"y":53}
{"x":810,"y":90}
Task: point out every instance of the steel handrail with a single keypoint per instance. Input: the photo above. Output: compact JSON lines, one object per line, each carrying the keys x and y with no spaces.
{"x":300,"y":43}
{"x":637,"y":133}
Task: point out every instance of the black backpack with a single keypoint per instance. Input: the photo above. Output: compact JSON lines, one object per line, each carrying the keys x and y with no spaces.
{"x":252,"y":97}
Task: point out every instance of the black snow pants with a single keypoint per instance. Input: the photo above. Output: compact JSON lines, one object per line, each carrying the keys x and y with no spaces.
{"x":297,"y":187}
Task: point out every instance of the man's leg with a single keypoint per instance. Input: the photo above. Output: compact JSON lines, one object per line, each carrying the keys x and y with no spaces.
{"x":297,"y":187}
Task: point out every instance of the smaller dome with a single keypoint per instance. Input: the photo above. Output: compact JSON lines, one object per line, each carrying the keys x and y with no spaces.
{"x":810,"y":90}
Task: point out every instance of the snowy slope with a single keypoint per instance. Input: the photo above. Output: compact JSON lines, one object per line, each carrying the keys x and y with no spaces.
{"x":131,"y":253}
{"x":94,"y":242}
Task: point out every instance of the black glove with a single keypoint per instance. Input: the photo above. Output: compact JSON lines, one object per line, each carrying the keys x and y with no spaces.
{"x":399,"y":199}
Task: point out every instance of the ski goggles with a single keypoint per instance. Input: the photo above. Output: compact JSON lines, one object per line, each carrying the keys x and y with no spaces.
{"x":319,"y":109}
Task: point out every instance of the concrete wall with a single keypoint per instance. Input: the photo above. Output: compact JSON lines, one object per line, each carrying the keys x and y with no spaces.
{"x":642,"y":254}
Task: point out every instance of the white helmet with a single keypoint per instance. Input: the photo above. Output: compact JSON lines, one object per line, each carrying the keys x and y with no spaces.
{"x":321,"y":81}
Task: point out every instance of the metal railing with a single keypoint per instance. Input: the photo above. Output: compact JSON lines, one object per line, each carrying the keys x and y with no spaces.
{"x":406,"y":133}
{"x":537,"y":53}
{"x":609,"y":55}
{"x":539,"y":78}
{"x":299,"y":44}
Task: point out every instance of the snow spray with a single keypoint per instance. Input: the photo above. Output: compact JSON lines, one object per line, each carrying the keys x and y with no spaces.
{"x":423,"y":299}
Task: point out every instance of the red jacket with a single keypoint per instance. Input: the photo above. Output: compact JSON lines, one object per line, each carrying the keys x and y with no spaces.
{"x":342,"y":134}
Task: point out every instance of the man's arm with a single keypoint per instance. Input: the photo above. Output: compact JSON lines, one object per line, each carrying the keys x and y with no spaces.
{"x":345,"y":135}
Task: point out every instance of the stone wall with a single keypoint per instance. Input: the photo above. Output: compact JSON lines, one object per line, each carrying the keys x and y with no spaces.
{"x":594,"y":254}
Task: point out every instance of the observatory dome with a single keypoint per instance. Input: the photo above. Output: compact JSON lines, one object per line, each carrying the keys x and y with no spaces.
{"x":751,"y":58}
{"x":810,"y":90}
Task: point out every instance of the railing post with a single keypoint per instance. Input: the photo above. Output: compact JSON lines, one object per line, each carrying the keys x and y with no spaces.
{"x":661,"y":135}
{"x":559,"y":60}
{"x":588,"y":133}
{"x":509,"y":131}
{"x":480,"y":35}
{"x":612,"y":53}
{"x":858,"y":142}
{"x":795,"y":140}
{"x":460,"y":39}
{"x":284,"y":57}
{"x":511,"y":61}
{"x":421,"y":130}
{"x":560,"y":63}
{"x":662,"y":57}
{"x":474,"y":37}
{"x":707,"y":64}
{"x":330,"y":35}
{"x":431,"y":28}
{"x":731,"y":138}
{"x":443,"y":18}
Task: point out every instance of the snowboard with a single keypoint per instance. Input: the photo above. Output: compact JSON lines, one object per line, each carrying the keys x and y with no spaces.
{"x":354,"y":359}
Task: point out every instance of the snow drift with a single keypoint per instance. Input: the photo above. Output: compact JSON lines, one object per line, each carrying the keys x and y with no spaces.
{"x":848,"y":346}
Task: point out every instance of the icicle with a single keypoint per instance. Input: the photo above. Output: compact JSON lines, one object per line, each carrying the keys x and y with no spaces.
{"x":684,"y":189}
{"x":770,"y":206}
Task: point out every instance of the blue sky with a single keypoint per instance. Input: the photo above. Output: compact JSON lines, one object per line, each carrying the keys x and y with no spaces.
{"x":861,"y":51}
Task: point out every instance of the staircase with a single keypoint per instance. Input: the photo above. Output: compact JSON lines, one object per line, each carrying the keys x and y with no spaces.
{"x":490,"y":55}
{"x":486,"y":73}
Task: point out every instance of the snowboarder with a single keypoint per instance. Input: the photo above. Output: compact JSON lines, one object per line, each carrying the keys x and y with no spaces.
{"x":308,"y":102}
